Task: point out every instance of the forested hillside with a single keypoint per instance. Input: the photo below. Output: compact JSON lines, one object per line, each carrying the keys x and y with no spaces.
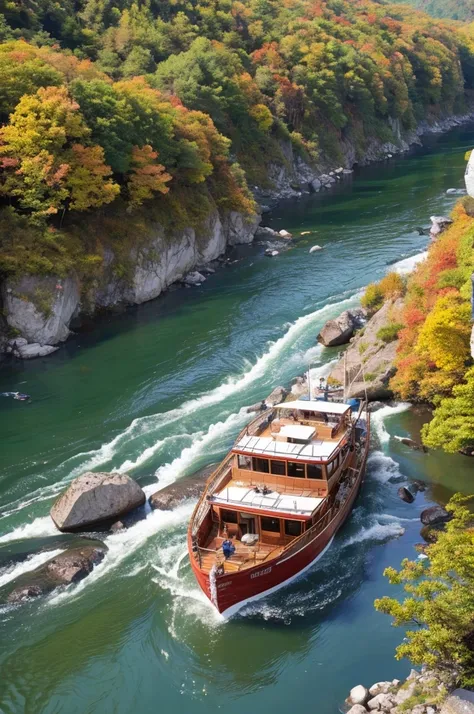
{"x":123,"y":102}
{"x":462,"y":10}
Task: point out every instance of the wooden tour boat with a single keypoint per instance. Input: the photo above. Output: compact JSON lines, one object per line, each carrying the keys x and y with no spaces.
{"x":279,"y":496}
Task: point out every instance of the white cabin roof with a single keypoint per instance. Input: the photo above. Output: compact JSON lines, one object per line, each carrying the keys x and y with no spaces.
{"x":315,"y":406}
{"x":273,"y":501}
{"x":316,"y":449}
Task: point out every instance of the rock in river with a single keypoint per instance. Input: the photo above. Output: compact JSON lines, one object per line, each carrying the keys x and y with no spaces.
{"x":188,"y":487}
{"x":66,"y":568}
{"x":405,"y":495}
{"x":434,"y":515}
{"x":95,"y":498}
{"x":340,"y":330}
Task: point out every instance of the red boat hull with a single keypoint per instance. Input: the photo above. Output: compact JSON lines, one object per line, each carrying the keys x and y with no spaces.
{"x":233,"y":590}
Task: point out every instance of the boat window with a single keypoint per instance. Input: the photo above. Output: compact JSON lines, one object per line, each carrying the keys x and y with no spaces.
{"x":278,"y":467}
{"x":260,"y":465}
{"x":332,"y":466}
{"x":245,"y":462}
{"x":270,"y":524}
{"x":314,"y":471}
{"x":293,"y":528}
{"x":229,"y":516}
{"x":296,"y":469}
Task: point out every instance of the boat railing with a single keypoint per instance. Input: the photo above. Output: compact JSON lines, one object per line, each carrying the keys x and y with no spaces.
{"x":252,"y":427}
{"x":203,"y":504}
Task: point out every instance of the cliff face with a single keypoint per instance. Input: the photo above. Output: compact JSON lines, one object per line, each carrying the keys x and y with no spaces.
{"x":38,"y":310}
{"x":293,"y":175}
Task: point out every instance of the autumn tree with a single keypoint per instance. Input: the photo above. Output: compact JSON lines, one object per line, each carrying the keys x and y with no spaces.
{"x":452,"y":426}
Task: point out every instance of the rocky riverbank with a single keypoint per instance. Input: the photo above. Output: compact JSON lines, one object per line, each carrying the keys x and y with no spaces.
{"x":295,"y":177}
{"x":424,"y":692}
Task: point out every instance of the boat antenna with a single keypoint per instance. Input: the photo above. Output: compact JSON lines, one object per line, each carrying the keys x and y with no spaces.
{"x":308,"y":377}
{"x":345,"y":376}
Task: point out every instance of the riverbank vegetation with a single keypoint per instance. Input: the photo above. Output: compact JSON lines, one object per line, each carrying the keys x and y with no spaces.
{"x":184,"y":105}
{"x":433,"y":361}
{"x":440,"y":599}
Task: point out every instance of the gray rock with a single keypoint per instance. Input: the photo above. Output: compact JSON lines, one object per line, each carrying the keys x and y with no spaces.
{"x":95,"y":498}
{"x":271,"y":253}
{"x":327,"y":180}
{"x":265,"y":209}
{"x":358,"y":695}
{"x":431,"y":533}
{"x":381,"y":702}
{"x":240,"y":229}
{"x":285,"y":234}
{"x":182,"y":490}
{"x":315,"y":185}
{"x":279,"y":394}
{"x":194,"y":278}
{"x":117,"y":526}
{"x":41,"y":308}
{"x":380,"y":688}
{"x":357,"y":709}
{"x":434,"y":515}
{"x":418,"y":485}
{"x":35,"y":350}
{"x":266,"y":232}
{"x":66,"y":568}
{"x":461,"y":701}
{"x":407,"y":691}
{"x":315,"y":248}
{"x":439,"y":224}
{"x":405,"y":495}
{"x":339,"y":330}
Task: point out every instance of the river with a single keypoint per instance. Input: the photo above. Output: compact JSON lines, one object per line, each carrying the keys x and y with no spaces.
{"x":160,"y":391}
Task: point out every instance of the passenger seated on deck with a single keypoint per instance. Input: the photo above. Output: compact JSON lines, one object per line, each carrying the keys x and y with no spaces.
{"x":228,"y":548}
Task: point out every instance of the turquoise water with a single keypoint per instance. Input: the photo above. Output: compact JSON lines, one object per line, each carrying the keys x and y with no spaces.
{"x":161,"y":390}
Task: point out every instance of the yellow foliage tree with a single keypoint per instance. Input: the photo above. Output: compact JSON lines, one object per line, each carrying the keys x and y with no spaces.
{"x":444,"y":337}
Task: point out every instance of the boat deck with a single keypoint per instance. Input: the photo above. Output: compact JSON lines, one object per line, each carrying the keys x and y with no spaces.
{"x":245,"y":556}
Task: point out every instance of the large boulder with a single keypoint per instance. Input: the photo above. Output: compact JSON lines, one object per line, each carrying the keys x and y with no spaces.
{"x":369,"y":361}
{"x":278,"y":395}
{"x":358,"y":695}
{"x":434,"y":515}
{"x":182,"y":490}
{"x":461,"y":701}
{"x":340,"y":330}
{"x":438,"y":225}
{"x":96,"y":498}
{"x":66,"y":568}
{"x":40,"y":308}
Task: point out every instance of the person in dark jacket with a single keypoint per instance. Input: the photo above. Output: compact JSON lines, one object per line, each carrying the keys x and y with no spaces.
{"x":228,"y":548}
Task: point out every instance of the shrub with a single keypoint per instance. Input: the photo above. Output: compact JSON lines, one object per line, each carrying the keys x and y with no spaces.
{"x":373,"y":297}
{"x":389,"y":333}
{"x":392,"y":286}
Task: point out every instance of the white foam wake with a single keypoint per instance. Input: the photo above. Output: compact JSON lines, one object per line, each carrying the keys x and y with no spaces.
{"x":123,"y":544}
{"x":382,"y":467}
{"x":36,"y":529}
{"x":407,"y":265}
{"x":377,"y":419}
{"x":168,"y":473}
{"x":376,"y":532}
{"x":27,"y":565}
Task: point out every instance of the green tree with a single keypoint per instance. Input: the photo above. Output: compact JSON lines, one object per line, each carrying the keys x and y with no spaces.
{"x":440,"y":602}
{"x":452,"y":426}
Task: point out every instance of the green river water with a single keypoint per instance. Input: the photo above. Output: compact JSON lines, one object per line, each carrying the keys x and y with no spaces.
{"x":160,"y":391}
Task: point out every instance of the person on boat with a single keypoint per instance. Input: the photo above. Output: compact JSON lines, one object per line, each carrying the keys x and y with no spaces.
{"x":228,"y":548}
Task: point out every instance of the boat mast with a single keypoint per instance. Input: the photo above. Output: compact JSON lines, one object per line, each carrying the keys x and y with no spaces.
{"x":345,"y":377}
{"x":308,"y":377}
